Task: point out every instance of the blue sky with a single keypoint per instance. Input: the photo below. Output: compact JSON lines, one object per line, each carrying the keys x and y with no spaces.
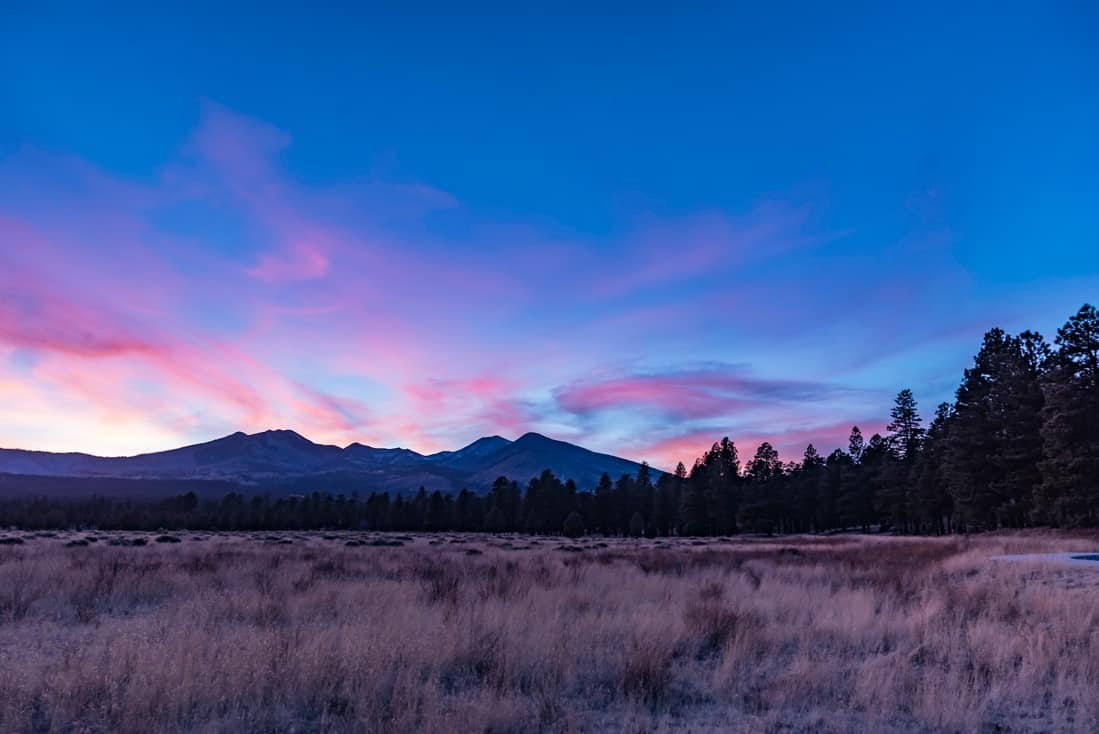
{"x":422,"y":226}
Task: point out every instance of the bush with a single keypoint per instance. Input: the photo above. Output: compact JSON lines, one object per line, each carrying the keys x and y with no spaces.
{"x":647,"y":672}
{"x":167,"y":539}
{"x":127,"y":541}
{"x":713,"y":623}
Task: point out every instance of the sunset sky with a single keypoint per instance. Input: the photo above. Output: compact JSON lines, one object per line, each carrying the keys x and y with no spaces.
{"x":631,"y":231}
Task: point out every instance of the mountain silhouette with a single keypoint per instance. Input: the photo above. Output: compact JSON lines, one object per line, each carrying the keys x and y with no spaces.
{"x":282,"y":460}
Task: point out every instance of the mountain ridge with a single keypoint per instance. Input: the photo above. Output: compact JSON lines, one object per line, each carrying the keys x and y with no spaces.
{"x":282,"y":459}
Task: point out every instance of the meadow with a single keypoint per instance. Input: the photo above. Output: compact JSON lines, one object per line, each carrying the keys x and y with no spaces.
{"x":359,"y":632}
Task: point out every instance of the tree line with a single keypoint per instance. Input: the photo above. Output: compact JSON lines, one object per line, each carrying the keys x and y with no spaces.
{"x":1018,"y":447}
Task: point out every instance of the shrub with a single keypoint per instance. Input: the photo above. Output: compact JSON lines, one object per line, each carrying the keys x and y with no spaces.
{"x":441,"y":584}
{"x":714,"y":623}
{"x":646,"y":673}
{"x":574,"y":525}
{"x":167,"y":539}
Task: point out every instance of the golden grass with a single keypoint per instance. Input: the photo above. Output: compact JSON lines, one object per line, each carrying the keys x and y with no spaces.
{"x":473,"y":633}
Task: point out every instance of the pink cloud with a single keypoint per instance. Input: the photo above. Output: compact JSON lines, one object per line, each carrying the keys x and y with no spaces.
{"x":475,"y":406}
{"x":127,"y":366}
{"x":333,"y":414}
{"x":790,"y":443}
{"x":688,"y":394}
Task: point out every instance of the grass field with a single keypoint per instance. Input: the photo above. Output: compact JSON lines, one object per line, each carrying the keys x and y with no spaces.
{"x":340,"y":632}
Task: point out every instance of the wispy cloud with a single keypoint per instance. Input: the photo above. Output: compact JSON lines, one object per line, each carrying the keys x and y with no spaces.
{"x":705,"y":392}
{"x":299,"y":262}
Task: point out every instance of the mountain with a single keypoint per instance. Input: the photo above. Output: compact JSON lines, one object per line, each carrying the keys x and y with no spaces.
{"x":471,"y":455}
{"x":532,"y":453}
{"x":283,"y":460}
{"x":271,"y":453}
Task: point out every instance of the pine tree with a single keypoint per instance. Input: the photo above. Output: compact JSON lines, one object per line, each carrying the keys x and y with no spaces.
{"x":854,"y":502}
{"x":1069,"y":492}
{"x":874,"y":471}
{"x":905,"y":432}
{"x":831,"y":490}
{"x":506,"y":496}
{"x":718,"y":474}
{"x":991,"y":460}
{"x":665,"y":504}
{"x":855,"y":445}
{"x":932,"y":501}
{"x":644,"y":493}
{"x":805,"y":496}
{"x":764,"y":472}
{"x":604,"y":506}
{"x":693,"y":514}
{"x":1019,"y":451}
{"x":625,"y":501}
{"x":905,"y":439}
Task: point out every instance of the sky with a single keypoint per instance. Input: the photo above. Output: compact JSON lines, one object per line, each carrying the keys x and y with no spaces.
{"x":635,"y":227}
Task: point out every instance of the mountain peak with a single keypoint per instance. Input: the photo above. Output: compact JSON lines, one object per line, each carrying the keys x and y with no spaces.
{"x":283,"y":436}
{"x":283,"y":433}
{"x":532,"y":437}
{"x":485,"y":442}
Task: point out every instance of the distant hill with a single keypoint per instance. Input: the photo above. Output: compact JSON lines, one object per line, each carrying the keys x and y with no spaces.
{"x":285,"y":460}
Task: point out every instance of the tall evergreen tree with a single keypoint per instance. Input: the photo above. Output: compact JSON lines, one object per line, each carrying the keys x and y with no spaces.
{"x":831,"y":491}
{"x":694,"y":518}
{"x":895,"y":474}
{"x":1069,"y":492}
{"x":720,"y":476}
{"x":991,"y":460}
{"x":874,"y":473}
{"x":604,"y":506}
{"x":855,"y":444}
{"x":931,"y":499}
{"x":666,"y":503}
{"x":506,"y":497}
{"x":905,"y":432}
{"x":806,"y":489}
{"x":764,"y":473}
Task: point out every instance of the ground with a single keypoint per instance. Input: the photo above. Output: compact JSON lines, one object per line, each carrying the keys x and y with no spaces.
{"x":352,"y":632}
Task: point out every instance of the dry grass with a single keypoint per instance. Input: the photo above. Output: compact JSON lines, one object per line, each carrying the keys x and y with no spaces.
{"x":298,"y":632}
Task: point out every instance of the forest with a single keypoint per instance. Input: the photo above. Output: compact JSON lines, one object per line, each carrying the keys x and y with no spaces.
{"x":1018,"y":447}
